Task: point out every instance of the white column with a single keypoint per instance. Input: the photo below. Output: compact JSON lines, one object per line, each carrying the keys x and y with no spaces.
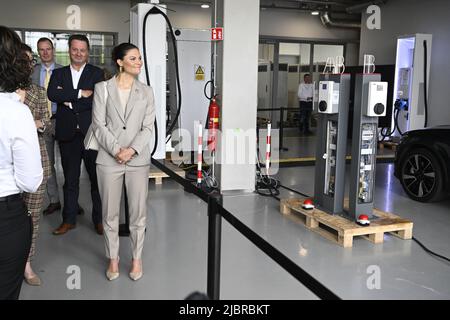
{"x":237,"y":83}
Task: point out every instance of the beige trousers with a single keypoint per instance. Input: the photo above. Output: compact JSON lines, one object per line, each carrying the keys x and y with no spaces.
{"x":110,"y":184}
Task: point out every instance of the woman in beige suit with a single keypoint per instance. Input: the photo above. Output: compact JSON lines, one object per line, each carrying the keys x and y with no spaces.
{"x":123,"y":121}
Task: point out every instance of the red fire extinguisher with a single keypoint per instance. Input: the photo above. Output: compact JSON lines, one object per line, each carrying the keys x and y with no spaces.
{"x":213,"y":124}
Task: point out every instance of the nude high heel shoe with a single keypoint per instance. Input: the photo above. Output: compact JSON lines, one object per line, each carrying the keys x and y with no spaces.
{"x":136,"y":275}
{"x":112,"y":275}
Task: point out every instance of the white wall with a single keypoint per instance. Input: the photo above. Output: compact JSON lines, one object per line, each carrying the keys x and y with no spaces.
{"x":403,"y":17}
{"x":352,"y":54}
{"x":276,"y":23}
{"x":292,"y":49}
{"x":322,"y":52}
{"x":104,"y":16}
{"x":189,"y":16}
{"x":289,"y":23}
{"x":280,"y":23}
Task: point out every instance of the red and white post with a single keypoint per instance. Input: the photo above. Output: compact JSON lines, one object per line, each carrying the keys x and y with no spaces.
{"x":199,"y":154}
{"x":268,"y":141}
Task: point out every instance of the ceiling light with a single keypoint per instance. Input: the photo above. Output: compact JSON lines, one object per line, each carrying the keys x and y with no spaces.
{"x":315,"y":13}
{"x":205,"y":6}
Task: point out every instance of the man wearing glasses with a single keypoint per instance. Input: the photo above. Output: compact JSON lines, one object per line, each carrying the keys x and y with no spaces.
{"x":41,"y":77}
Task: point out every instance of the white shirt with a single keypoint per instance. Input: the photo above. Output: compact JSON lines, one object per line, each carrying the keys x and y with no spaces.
{"x":20,"y":156}
{"x":76,"y":75}
{"x":305,"y":92}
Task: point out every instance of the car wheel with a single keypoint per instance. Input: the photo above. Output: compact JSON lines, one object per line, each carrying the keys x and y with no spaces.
{"x":422,"y":176}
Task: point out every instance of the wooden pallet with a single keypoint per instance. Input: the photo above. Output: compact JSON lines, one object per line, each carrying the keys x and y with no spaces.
{"x":341,"y":230}
{"x":388,"y":144}
{"x":158,"y":175}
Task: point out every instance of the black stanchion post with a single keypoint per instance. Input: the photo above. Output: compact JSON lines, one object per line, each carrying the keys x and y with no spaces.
{"x":214,"y":247}
{"x":281,"y":130}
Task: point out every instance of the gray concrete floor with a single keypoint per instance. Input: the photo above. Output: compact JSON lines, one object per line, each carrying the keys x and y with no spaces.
{"x":176,"y":249}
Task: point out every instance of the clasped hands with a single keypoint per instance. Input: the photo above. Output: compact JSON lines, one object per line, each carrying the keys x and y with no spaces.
{"x":124,"y":155}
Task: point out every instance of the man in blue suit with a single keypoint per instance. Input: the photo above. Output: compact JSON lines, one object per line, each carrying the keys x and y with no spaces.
{"x":71,"y":87}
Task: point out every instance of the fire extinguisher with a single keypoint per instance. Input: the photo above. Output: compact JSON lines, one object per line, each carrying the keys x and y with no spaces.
{"x":213,"y":124}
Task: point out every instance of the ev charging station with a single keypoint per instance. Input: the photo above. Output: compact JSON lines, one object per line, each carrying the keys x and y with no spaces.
{"x":370,"y":103}
{"x":333,"y":106}
{"x":411,"y":83}
{"x":148,"y":30}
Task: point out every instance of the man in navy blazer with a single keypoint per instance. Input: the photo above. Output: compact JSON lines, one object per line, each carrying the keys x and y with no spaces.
{"x":71,"y":87}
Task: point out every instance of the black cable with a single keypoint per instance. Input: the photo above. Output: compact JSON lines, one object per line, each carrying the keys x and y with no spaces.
{"x":295,"y":191}
{"x":397,"y":109}
{"x":204,"y":90}
{"x":429,"y":251}
{"x":396,"y":122}
{"x":390,"y":133}
{"x":274,"y":196}
{"x":425,"y":80}
{"x":415,"y":239}
{"x":156,"y":138}
{"x":209,"y":98}
{"x":269,"y":184}
{"x":271,"y":194}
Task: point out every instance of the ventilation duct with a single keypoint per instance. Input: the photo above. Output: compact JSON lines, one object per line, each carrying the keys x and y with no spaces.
{"x":328,"y":22}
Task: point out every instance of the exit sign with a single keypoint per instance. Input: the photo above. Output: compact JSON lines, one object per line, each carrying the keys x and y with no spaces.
{"x":216,"y":34}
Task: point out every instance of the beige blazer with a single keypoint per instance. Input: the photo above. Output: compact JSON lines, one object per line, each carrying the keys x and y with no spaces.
{"x":115,"y":129}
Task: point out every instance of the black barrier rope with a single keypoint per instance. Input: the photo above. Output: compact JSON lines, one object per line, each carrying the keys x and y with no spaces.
{"x":185,"y":183}
{"x":301,"y":275}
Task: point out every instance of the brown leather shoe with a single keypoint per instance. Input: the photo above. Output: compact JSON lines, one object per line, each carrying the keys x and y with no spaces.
{"x":99,"y":228}
{"x":52,"y":207}
{"x":63,"y":228}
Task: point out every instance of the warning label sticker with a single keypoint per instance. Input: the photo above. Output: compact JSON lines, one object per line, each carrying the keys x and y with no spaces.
{"x":199,"y":73}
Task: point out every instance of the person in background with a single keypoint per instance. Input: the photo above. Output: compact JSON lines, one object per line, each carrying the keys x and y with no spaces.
{"x":36,"y":100}
{"x":305,"y":97}
{"x":41,"y":77}
{"x":123,"y":123}
{"x":20,"y":163}
{"x":71,"y":87}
